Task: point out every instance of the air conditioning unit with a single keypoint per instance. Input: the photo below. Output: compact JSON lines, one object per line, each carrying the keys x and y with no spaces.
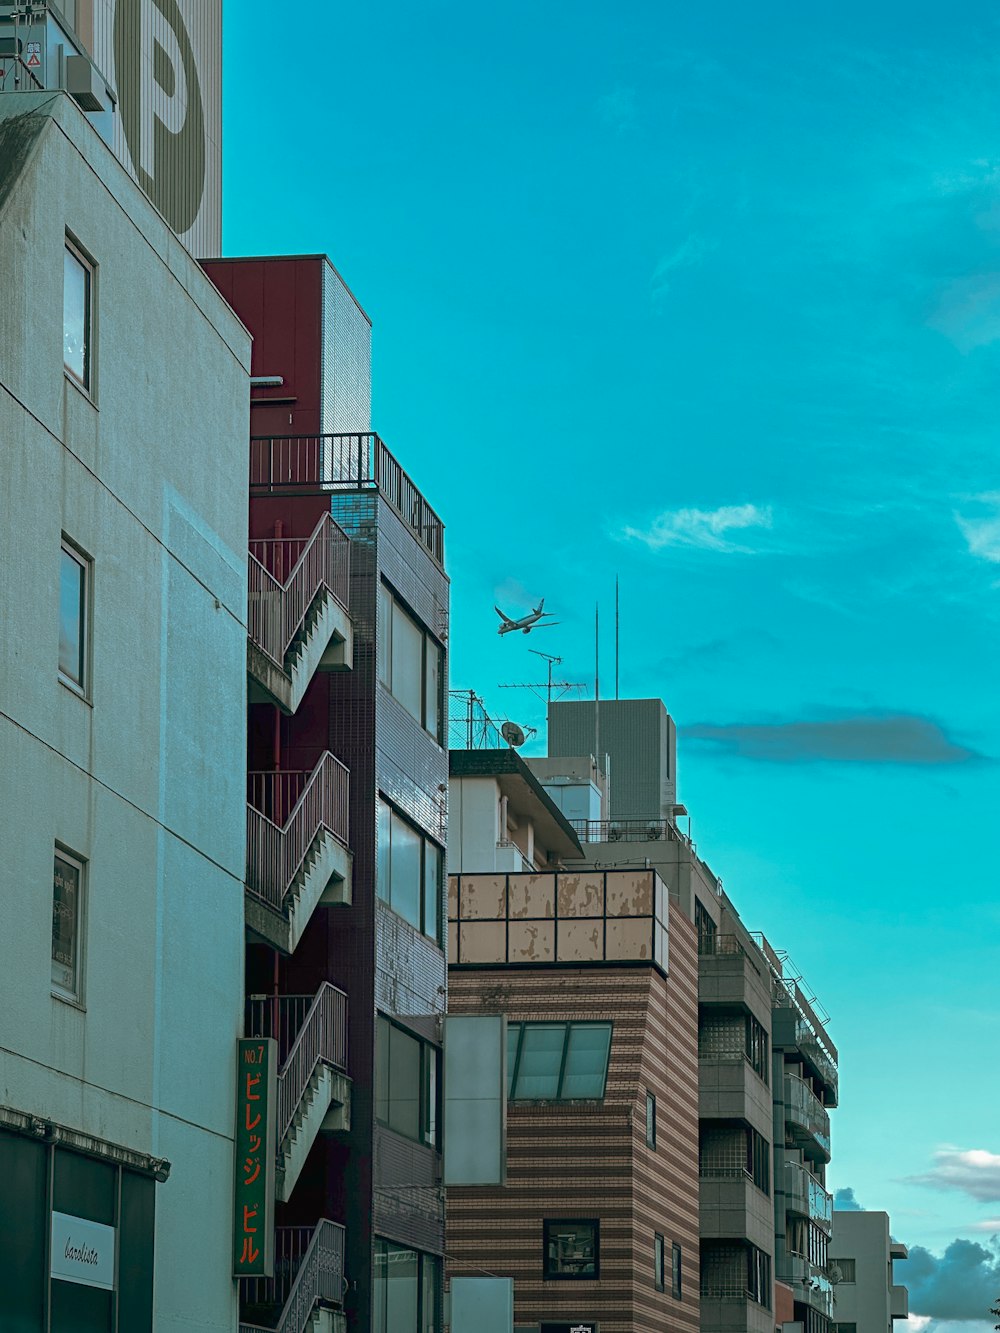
{"x":84,"y":84}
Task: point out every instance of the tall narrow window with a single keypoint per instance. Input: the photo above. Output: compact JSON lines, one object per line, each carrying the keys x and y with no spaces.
{"x":675,"y":1270}
{"x":78,"y":282}
{"x":410,"y":662}
{"x":658,"y":1262}
{"x":650,"y":1120}
{"x":408,"y":872}
{"x":406,"y":1083}
{"x":67,"y":912}
{"x":74,"y":578}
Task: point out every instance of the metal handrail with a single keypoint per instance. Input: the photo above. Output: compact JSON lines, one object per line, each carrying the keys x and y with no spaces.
{"x":628,"y":830}
{"x":801,"y":1098}
{"x":277,"y":608}
{"x":359,"y":459}
{"x":318,"y":1277}
{"x":817,"y":1200}
{"x":322,"y":1037}
{"x":275,"y":854}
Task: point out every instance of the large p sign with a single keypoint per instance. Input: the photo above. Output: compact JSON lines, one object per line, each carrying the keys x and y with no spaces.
{"x":161,"y":107}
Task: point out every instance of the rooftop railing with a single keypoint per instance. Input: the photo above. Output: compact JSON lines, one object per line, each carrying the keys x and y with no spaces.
{"x":289,"y":463}
{"x":627,"y":830}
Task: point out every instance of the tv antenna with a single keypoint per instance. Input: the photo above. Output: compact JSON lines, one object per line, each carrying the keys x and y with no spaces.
{"x":547,"y":685}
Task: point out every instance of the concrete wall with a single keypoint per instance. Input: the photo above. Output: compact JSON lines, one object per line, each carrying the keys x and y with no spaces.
{"x":867,"y":1302}
{"x":473,"y":820}
{"x":145,"y":780}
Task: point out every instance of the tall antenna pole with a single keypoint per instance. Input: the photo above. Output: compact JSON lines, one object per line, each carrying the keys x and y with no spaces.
{"x":617,"y":623}
{"x":597,"y":682}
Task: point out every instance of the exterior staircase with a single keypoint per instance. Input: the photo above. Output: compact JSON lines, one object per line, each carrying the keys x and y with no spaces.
{"x":307,"y":1291}
{"x":314,"y":1091}
{"x":297,"y":861}
{"x":297,"y":624}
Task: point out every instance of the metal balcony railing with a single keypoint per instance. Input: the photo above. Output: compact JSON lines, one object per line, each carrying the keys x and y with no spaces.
{"x":17,"y":77}
{"x":807,"y":1196}
{"x":627,"y":830}
{"x":275,"y":852}
{"x":285,"y":464}
{"x":308,"y":1029}
{"x":285,"y":574}
{"x":805,"y":1111}
{"x":308,"y":1270}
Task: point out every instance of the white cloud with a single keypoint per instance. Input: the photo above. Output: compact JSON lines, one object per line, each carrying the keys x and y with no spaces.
{"x":972,"y":1171}
{"x":982,"y":532}
{"x":704,"y":529}
{"x":991,"y":1226}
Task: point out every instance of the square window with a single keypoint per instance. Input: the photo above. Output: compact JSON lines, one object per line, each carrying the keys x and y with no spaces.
{"x":74,"y":614}
{"x":675,"y":1271}
{"x":571,"y":1249}
{"x":78,"y":284}
{"x":658,"y":1262}
{"x":67,"y":918}
{"x":557,"y":1061}
{"x":650,"y":1120}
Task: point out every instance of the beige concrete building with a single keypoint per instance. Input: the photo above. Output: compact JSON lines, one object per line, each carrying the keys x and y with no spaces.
{"x":866,"y":1297}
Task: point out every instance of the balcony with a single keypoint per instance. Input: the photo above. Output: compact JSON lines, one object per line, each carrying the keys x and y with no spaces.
{"x":732,"y":1207}
{"x":297,"y":619}
{"x":628,"y":830}
{"x":290,"y":464}
{"x":807,"y":1118}
{"x":308,"y":1278}
{"x":806,"y":1196}
{"x":313,"y":1088}
{"x":297,"y":849}
{"x":730,"y":975}
{"x":899,"y":1303}
{"x":809,"y":1283}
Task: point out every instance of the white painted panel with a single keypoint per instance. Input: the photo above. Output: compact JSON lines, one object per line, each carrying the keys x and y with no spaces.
{"x":83,"y":1251}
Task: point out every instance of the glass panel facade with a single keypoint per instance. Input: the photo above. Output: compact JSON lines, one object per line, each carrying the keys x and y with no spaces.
{"x":586,"y":1060}
{"x":406,"y":1083}
{"x":432,"y":890}
{"x":432,"y":691}
{"x":405,"y":871}
{"x":557,"y":1061}
{"x":540,"y":1061}
{"x":407,"y":662}
{"x":406,"y":1285}
{"x":408,"y":872}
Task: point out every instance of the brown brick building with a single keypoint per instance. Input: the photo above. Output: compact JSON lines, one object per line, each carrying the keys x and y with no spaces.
{"x":597,"y":974}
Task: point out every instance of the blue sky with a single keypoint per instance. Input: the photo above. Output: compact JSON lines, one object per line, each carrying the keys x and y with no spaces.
{"x":708,"y":298}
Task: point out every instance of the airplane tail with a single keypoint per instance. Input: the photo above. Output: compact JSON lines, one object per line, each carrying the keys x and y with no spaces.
{"x":538,"y":608}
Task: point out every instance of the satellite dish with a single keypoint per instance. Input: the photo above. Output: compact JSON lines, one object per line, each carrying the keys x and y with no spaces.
{"x":512,"y":734}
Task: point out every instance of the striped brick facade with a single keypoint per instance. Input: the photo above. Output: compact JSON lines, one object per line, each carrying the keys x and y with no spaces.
{"x":589,"y":1159}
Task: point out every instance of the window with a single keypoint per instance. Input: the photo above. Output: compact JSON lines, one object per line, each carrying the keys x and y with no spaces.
{"x":847,"y":1269}
{"x":758,"y":1160}
{"x":557,"y":1061}
{"x":658,"y":1270}
{"x":408,"y":874}
{"x":67,"y":916}
{"x":405,"y":1290}
{"x":410,"y":662}
{"x":650,"y":1120}
{"x":757,"y":1047}
{"x":74,"y":614}
{"x":675,"y":1271}
{"x":705,"y":925}
{"x":78,"y":282}
{"x":406,"y":1083}
{"x":571,"y":1249}
{"x":759,"y":1276}
{"x":845,"y":1328}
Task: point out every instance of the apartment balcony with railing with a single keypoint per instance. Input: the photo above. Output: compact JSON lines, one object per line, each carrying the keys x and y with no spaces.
{"x":313,"y":1090}
{"x":730,"y":973}
{"x":806,"y":1196}
{"x":307,"y":1290}
{"x":297,"y":617}
{"x":297,"y":848}
{"x":806,"y":1118}
{"x":296,"y":464}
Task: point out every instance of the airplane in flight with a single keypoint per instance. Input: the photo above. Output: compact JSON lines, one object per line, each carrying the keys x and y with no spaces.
{"x":527,"y":623}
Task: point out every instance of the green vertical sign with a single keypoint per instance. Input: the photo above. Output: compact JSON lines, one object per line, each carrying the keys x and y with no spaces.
{"x":256,"y":1106}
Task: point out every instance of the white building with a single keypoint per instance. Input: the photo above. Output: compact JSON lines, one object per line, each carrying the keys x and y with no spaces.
{"x":124,"y":403}
{"x":866,"y":1299}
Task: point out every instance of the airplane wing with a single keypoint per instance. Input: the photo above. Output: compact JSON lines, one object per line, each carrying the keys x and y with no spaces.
{"x":506,"y":619}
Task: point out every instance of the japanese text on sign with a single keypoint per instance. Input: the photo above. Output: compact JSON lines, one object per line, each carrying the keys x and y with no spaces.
{"x":253,"y":1218}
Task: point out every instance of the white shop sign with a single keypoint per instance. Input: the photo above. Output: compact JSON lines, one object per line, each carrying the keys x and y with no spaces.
{"x":83,"y":1251}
